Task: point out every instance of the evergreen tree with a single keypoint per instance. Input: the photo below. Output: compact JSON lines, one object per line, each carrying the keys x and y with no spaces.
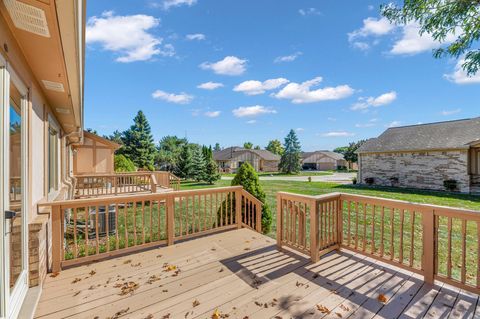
{"x":138,"y":143}
{"x":217,"y":147}
{"x":290,"y":161}
{"x":184,"y":168}
{"x":211,"y":168}
{"x":198,"y":164}
{"x":275,"y":146}
{"x":248,"y":145}
{"x":257,"y":147}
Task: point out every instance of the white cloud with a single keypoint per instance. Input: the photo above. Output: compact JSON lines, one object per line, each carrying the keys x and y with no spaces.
{"x":251,"y":121}
{"x":299,"y":129}
{"x":338,"y":134}
{"x":360,"y":45}
{"x":253,"y":87}
{"x":393,"y":124}
{"x":210,"y":85}
{"x":288,"y":58}
{"x":255,"y":110}
{"x":230,"y":65}
{"x":167,"y":4}
{"x":370,"y":123}
{"x":195,"y":36}
{"x":384,"y":99}
{"x":181,"y":98}
{"x":412,"y":42}
{"x":301,"y":92}
{"x":450,"y":112}
{"x":309,"y":11}
{"x":128,"y":36}
{"x":372,"y":27}
{"x":212,"y":114}
{"x":459,"y":76}
{"x":331,"y":119}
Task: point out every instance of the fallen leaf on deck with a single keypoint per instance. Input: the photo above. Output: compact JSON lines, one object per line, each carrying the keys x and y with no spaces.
{"x":299,"y":284}
{"x":118,"y":314}
{"x":323,"y":309}
{"x":166,"y":316}
{"x":216,"y":314}
{"x":128,"y":288}
{"x":150,"y":316}
{"x":343,"y":307}
{"x":55,"y":274}
{"x":169,"y":267}
{"x":76,"y":280}
{"x":338,"y":314}
{"x":258,"y":304}
{"x":221,"y":269}
{"x":382,"y":298}
{"x":93,"y":272}
{"x":159,"y":256}
{"x":247,"y":248}
{"x":152,"y":279}
{"x":136,"y":265}
{"x":196,"y":303}
{"x":76,"y":293}
{"x":213,"y":249}
{"x":127,"y":261}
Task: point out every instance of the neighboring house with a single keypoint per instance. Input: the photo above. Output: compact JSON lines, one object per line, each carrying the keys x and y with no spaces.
{"x":41,"y":117}
{"x":424,"y":156}
{"x":322,"y":160}
{"x":94,"y":156}
{"x":230,"y":159}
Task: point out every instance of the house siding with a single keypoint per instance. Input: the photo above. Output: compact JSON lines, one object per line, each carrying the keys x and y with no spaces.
{"x":425,"y":170}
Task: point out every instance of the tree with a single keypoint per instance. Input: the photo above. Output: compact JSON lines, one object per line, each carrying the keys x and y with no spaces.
{"x":275,"y":146}
{"x":341,"y":150}
{"x":248,"y":178}
{"x":248,"y":145}
{"x":123,"y":164}
{"x":138,"y":143}
{"x":198,"y":164}
{"x":257,"y":147}
{"x":184,"y":168}
{"x":211,"y":168}
{"x":115,"y":137}
{"x":91,"y":130}
{"x":169,"y":150}
{"x":217,"y":147}
{"x":350,"y":155}
{"x":290,"y":160}
{"x":441,"y":19}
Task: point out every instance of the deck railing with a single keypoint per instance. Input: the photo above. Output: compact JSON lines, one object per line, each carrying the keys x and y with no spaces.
{"x":92,"y":228}
{"x":437,"y":242}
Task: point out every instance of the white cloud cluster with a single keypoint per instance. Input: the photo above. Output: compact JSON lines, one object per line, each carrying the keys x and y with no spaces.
{"x":459,"y":76}
{"x":230,"y":65}
{"x":254,"y":87}
{"x":309,"y":11}
{"x":210,"y":85}
{"x":370,"y":123}
{"x":196,"y":36}
{"x":412,"y":42}
{"x":450,"y":112}
{"x":181,"y":98}
{"x":338,"y":134}
{"x":364,"y":103}
{"x":251,"y":111}
{"x":288,"y":58}
{"x":300,"y":93}
{"x":393,"y":124}
{"x":212,"y":114}
{"x":167,"y":4}
{"x":128,"y":36}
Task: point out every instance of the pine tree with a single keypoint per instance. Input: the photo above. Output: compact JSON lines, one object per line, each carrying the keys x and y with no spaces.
{"x":290,"y":161}
{"x":138,"y":143}
{"x":211,"y":168}
{"x":184,"y":168}
{"x":198,"y":164}
{"x":217,"y":147}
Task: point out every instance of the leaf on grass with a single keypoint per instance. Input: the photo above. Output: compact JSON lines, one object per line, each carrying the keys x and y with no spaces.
{"x":55,"y":274}
{"x":382,"y":298}
{"x":196,"y":303}
{"x":76,"y":280}
{"x":323,"y":309}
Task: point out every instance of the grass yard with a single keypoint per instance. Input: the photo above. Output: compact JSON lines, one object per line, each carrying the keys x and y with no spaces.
{"x":302,"y":173}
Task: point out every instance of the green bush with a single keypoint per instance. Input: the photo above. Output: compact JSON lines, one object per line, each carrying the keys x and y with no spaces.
{"x":123,"y":164}
{"x":248,"y":178}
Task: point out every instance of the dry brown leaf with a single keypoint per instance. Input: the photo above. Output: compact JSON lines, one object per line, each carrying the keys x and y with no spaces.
{"x":127,"y":261}
{"x":382,"y":298}
{"x":345,"y":308}
{"x":167,"y":267}
{"x":166,"y":316}
{"x":216,"y":314}
{"x":196,"y":303}
{"x":339,"y":315}
{"x":128,"y":288}
{"x":76,"y":293}
{"x":55,"y":274}
{"x":118,"y":314}
{"x":93,"y":272}
{"x":159,"y":256}
{"x":150,"y":316}
{"x":323,"y":309}
{"x":152,"y":279}
{"x":76,"y":280}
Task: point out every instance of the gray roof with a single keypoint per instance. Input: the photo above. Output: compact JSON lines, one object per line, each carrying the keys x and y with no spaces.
{"x":336,"y":156}
{"x":442,"y":135}
{"x":234,"y":151}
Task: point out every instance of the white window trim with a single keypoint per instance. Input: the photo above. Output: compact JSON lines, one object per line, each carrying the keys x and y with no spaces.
{"x":52,"y":123}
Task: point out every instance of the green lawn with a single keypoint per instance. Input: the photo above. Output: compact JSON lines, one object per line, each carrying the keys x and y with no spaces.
{"x":302,"y":173}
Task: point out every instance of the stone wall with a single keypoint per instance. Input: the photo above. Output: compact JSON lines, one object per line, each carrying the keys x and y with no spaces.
{"x":37,"y":251}
{"x":426,"y":170}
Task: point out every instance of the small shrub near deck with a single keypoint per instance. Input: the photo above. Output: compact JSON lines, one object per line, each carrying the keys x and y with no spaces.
{"x":123,"y":164}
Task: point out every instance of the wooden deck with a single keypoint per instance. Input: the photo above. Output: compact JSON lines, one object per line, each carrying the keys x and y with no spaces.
{"x":243,"y":275}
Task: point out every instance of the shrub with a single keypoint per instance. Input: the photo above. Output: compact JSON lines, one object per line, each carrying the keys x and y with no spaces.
{"x":369,"y":180}
{"x":450,"y":185}
{"x":248,"y":178}
{"x":123,"y":164}
{"x":354,"y":181}
{"x":309,"y":178}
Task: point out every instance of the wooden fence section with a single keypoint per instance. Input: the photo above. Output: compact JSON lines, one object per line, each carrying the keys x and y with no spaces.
{"x":437,"y":242}
{"x":92,"y":228}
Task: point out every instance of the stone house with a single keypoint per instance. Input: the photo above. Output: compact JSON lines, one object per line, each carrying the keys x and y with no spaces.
{"x":322,"y":160}
{"x":424,"y":156}
{"x":231,"y":158}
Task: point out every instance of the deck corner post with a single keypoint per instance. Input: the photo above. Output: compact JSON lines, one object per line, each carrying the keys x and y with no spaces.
{"x":314,"y":231}
{"x":238,"y":208}
{"x":57,"y":239}
{"x":428,"y":221}
{"x":279,"y":221}
{"x":339,"y":222}
{"x":170,"y":220}
{"x":153,"y":183}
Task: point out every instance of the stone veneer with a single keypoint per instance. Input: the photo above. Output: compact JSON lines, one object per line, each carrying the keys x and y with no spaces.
{"x":426,"y":170}
{"x":37,"y":250}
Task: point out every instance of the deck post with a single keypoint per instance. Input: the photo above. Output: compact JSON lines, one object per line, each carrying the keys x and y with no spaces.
{"x":153,"y":183}
{"x":170,"y":219}
{"x":279,"y":221}
{"x":428,"y":221}
{"x":339,"y":222}
{"x":238,"y":208}
{"x":57,"y":239}
{"x":314,"y":231}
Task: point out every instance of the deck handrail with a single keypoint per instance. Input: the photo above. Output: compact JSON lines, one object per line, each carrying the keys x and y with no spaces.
{"x":426,"y":239}
{"x":88,"y":229}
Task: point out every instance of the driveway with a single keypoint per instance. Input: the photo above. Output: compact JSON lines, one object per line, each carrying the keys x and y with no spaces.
{"x":341,"y":178}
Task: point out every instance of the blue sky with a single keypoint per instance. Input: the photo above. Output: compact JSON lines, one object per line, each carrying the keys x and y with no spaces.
{"x":234,"y":71}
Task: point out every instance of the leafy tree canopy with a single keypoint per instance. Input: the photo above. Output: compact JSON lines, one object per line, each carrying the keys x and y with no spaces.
{"x":275,"y":146}
{"x":441,"y":19}
{"x":169,"y":150}
{"x":350,"y":154}
{"x":123,"y":164}
{"x":248,"y":145}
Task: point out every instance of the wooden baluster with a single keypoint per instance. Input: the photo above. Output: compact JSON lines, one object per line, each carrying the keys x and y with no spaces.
{"x":356,"y":225}
{"x":150,"y":209}
{"x":57,"y":238}
{"x":97,"y":239}
{"x":400,"y":246}
{"x":231,"y":207}
{"x":87,"y":228}
{"x":125,"y":215}
{"x":187,"y":216}
{"x":280,"y":221}
{"x":238,"y":208}
{"x":412,"y":237}
{"x":116,"y":227}
{"x":170,"y":206}
{"x":321,"y":213}
{"x":180,"y":213}
{"x":392,"y":230}
{"x":382,"y":232}
{"x":349,"y":222}
{"x":314,"y":249}
{"x":464,"y":251}
{"x":134,"y":204}
{"x":107,"y":225}
{"x":75,"y":245}
{"x":449,"y":247}
{"x":364,"y":246}
{"x":372,"y":246}
{"x":205,"y":212}
{"x":478,"y":255}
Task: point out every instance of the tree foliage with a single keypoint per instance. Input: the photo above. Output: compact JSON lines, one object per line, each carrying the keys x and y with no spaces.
{"x":217,"y":147}
{"x":138,"y":143}
{"x":248,"y":145}
{"x":169,"y":150}
{"x":184,"y":168}
{"x":123,"y":164}
{"x":350,"y":154}
{"x":248,"y":178}
{"x":275,"y":146}
{"x":441,"y":19}
{"x":211,"y":168}
{"x":198,"y":164}
{"x":290,"y":160}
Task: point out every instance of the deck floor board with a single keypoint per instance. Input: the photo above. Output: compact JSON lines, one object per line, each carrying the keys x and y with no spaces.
{"x":244,"y":275}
